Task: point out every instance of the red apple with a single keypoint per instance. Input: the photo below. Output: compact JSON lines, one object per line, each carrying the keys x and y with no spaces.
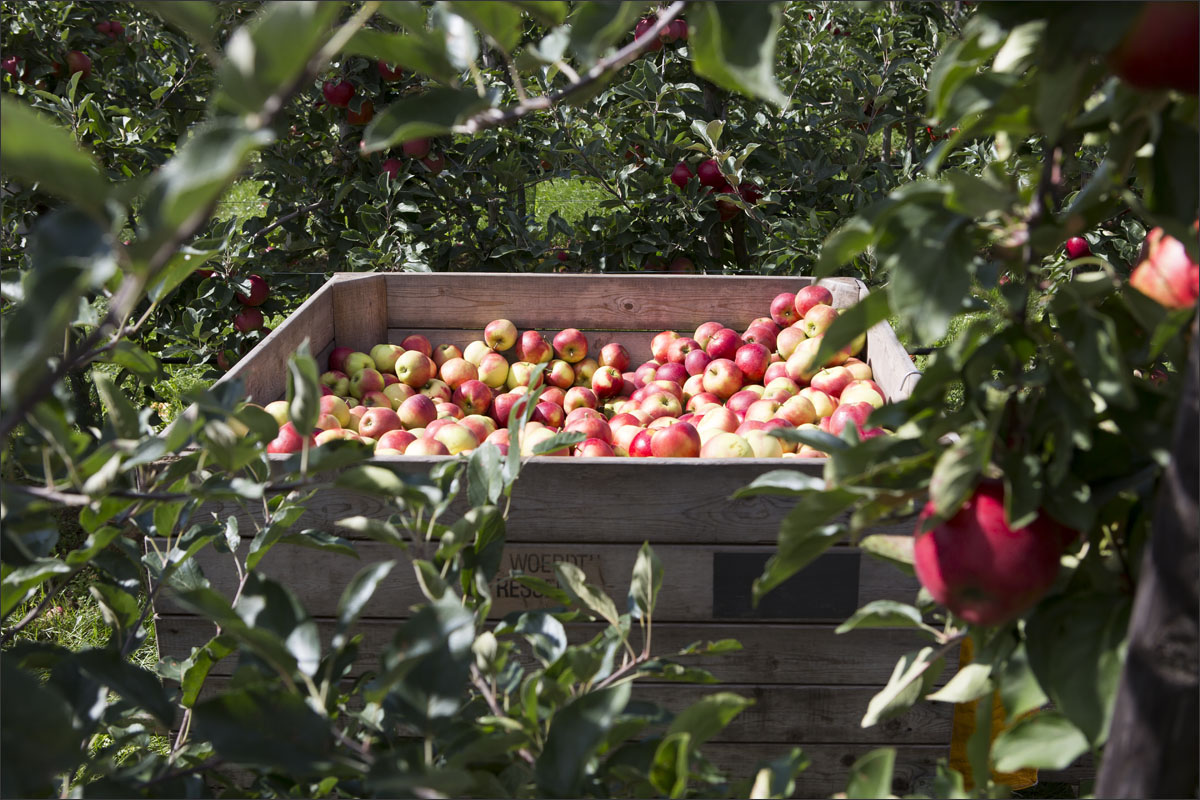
{"x":594,"y":448}
{"x":378,"y":421}
{"x":849,"y":414}
{"x":414,"y":368}
{"x":338,"y":94}
{"x":775,"y":370}
{"x":810,"y":296}
{"x":614,"y":354}
{"x":681,"y":265}
{"x":759,"y":333}
{"x":705,"y":332}
{"x":981,"y":568}
{"x":393,"y":443}
{"x":681,"y":175}
{"x":426,"y":446}
{"x":289,"y":440}
{"x":678,"y":440}
{"x":783,"y":309}
{"x":78,"y":62}
{"x":678,"y":349}
{"x":726,"y":444}
{"x":788,"y":339}
{"x":337,"y":359}
{"x":248,"y":319}
{"x":391,"y":167}
{"x":724,"y":344}
{"x":1161,"y":49}
{"x":723,"y":377}
{"x":417,"y":411}
{"x":388,"y":72}
{"x":661,"y":344}
{"x":1166,"y":274}
{"x":645,"y":373}
{"x":416,"y":148}
{"x":364,"y":114}
{"x":592,"y":427}
{"x":709,"y":173}
{"x":696,"y":361}
{"x":473,"y":397}
{"x":580,"y":397}
{"x":533,"y":347}
{"x":456,"y":371}
{"x":818,"y":319}
{"x":571,"y":345}
{"x":584,"y":371}
{"x":639,"y":447}
{"x":672,"y":372}
{"x":752,"y":359}
{"x":1077,"y":247}
{"x":366,"y":380}
{"x":398,"y":392}
{"x":548,"y":414}
{"x":419,"y":343}
{"x":434,"y":162}
{"x":832,"y":380}
{"x":502,"y":405}
{"x":559,"y":374}
{"x":258,"y":292}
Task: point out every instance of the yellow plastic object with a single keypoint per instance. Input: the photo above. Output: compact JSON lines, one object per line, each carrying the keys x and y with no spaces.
{"x":964,"y":725}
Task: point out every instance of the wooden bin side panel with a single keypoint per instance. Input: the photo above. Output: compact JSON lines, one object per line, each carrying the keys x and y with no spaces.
{"x":619,"y":302}
{"x":264,"y":369}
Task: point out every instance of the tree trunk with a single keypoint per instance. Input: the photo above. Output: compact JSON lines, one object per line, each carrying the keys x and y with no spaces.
{"x":1153,"y":748}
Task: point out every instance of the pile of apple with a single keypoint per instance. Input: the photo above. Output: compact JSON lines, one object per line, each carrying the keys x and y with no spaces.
{"x":714,"y":394}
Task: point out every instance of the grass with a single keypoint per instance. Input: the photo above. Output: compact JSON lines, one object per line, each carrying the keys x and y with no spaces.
{"x":571,"y":198}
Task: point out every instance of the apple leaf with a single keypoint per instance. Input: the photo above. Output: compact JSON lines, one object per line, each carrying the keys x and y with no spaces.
{"x":500,"y":21}
{"x":485,"y":476}
{"x":377,"y":529}
{"x":883,"y":614}
{"x":196,"y":18}
{"x":778,"y":778}
{"x":431,"y":113}
{"x":1046,"y":740}
{"x":733,"y":45}
{"x":971,"y":682}
{"x":645,"y":583}
{"x":573,"y":579}
{"x":825,"y":442}
{"x":303,"y":390}
{"x":871,"y":775}
{"x":958,"y":470}
{"x":668,"y":772}
{"x":121,"y":413}
{"x":547,"y":12}
{"x":271,"y":728}
{"x":545,"y":633}
{"x":855,"y":321}
{"x":355,"y":597}
{"x":557,"y":442}
{"x":786,"y":482}
{"x":1076,"y":644}
{"x":575,"y":732}
{"x":36,"y":150}
{"x":844,"y":244}
{"x":896,"y":549}
{"x":804,"y":535}
{"x":418,"y":53}
{"x":708,"y":716}
{"x":915,"y":672}
{"x":595,"y":27}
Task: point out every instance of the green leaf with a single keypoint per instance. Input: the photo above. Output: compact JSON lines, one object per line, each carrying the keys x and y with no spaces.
{"x":1174,"y":191}
{"x":121,"y":413}
{"x":547,"y":12}
{"x":268,"y":53}
{"x":35,"y":150}
{"x":501,"y":21}
{"x":804,"y":535}
{"x":784,"y":482}
{"x":871,"y":775}
{"x":1046,"y":740}
{"x":573,"y":579}
{"x":320,"y":540}
{"x":914,"y":673}
{"x":896,"y":549}
{"x":1076,"y":644}
{"x":433,"y":112}
{"x":356,"y":595}
{"x":267,"y":728}
{"x":191,"y":183}
{"x":645,"y":582}
{"x":559,"y":441}
{"x":958,"y":470}
{"x":180,"y":266}
{"x":133,"y":358}
{"x":429,"y":661}
{"x":778,"y":778}
{"x":131,"y":682}
{"x":21,"y":581}
{"x":575,"y":733}
{"x":825,"y":442}
{"x":196,"y":18}
{"x":372,"y":480}
{"x":119,"y":609}
{"x":595,"y":27}
{"x":708,"y":716}
{"x":733,"y":45}
{"x":303,"y":390}
{"x":485,"y":476}
{"x":669,"y":769}
{"x":855,"y":321}
{"x":39,"y":739}
{"x":883,"y":614}
{"x":928,"y":252}
{"x":545,"y":633}
{"x":971,"y":682}
{"x":377,"y":529}
{"x":846,"y":243}
{"x":419,"y":53}
{"x":1018,"y":687}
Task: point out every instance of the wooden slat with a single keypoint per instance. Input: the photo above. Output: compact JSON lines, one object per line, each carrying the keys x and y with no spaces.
{"x":692,"y":590}
{"x":360,"y":310}
{"x":264,"y":369}
{"x":664,"y":501}
{"x":621,"y":302}
{"x":829,"y":768}
{"x":771,"y":654}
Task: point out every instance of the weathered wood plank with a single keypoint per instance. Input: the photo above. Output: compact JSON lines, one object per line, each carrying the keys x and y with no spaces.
{"x":684,"y":501}
{"x":771,"y":654}
{"x":360,"y":310}
{"x":621,"y":302}
{"x":264,"y":369}
{"x":829,"y":768}
{"x":694,"y":590}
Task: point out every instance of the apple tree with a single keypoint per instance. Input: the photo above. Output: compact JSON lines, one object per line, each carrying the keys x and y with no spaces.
{"x":1047,"y":443}
{"x":452,"y":710}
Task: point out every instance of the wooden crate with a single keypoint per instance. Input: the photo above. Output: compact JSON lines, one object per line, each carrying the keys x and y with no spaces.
{"x":811,"y":686}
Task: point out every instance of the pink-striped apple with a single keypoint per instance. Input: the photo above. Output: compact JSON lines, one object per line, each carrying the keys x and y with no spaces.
{"x":426,"y":446}
{"x":607,"y":382}
{"x":533,"y":347}
{"x":337,"y":358}
{"x":781,"y":388}
{"x":762,"y":410}
{"x":761,"y":334}
{"x":783,"y":309}
{"x":726,"y":445}
{"x":832,"y":380}
{"x":493,"y":369}
{"x":594,"y":448}
{"x":788,"y":338}
{"x":584,"y":371}
{"x":722,"y":377}
{"x":457,"y":371}
{"x":863,"y":392}
{"x":419,"y":343}
{"x":398,"y":393}
{"x":724,"y":344}
{"x":449,"y":410}
{"x":559,"y":373}
{"x":523,"y":373}
{"x":376,"y":400}
{"x":548,"y":414}
{"x":719,"y":418}
{"x":570,"y":345}
{"x":797,"y":411}
{"x":640,"y":446}
{"x":356,"y":362}
{"x":356,"y":413}
{"x":414,"y":368}
{"x":445,"y":352}
{"x":385,"y":355}
{"x":476,"y":350}
{"x":752,"y":359}
{"x":818,"y":319}
{"x":456,"y":438}
{"x":378,"y":421}
{"x":673,"y":372}
{"x":849,"y":414}
{"x":661,"y":404}
{"x":437,"y":390}
{"x":473,"y":397}
{"x":696,"y":361}
{"x":366,"y":380}
{"x":678,"y":440}
{"x":822,"y":403}
{"x":810,"y":296}
{"x":661,"y":344}
{"x":623,"y":438}
{"x":337,"y":381}
{"x":336,"y":406}
{"x":705,"y":332}
{"x":764,"y":444}
{"x":614,"y":354}
{"x":500,"y":334}
{"x":579,"y":397}
{"x":802,"y":364}
{"x":417,"y":411}
{"x":394,"y":443}
{"x":678,"y":349}
{"x":592,"y":428}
